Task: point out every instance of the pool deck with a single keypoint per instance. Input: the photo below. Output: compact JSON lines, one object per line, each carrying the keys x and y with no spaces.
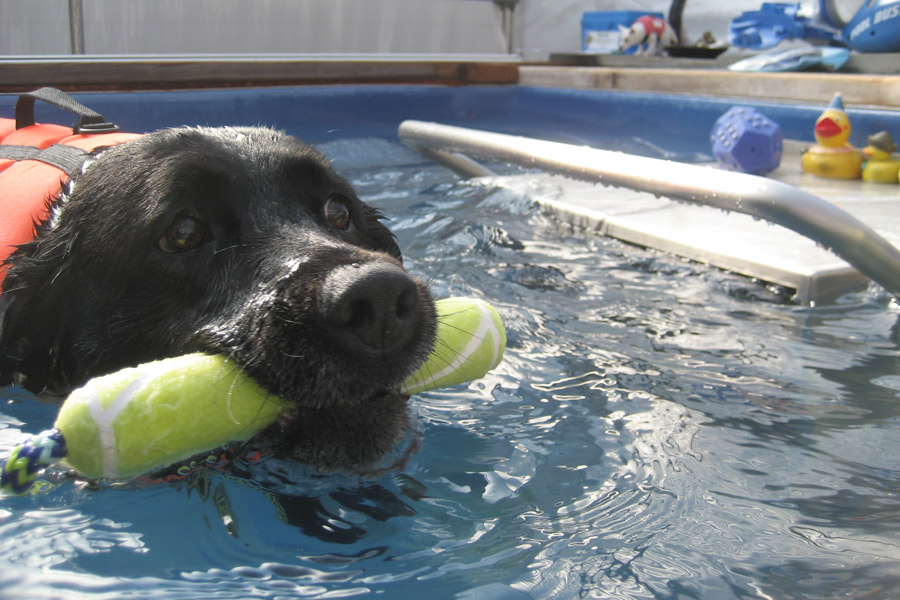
{"x":876,"y":90}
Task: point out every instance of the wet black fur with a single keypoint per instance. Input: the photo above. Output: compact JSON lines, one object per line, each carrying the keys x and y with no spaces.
{"x":94,"y":292}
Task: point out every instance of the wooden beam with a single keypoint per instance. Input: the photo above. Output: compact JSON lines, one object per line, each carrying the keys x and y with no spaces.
{"x":130,"y":73}
{"x":859,"y":89}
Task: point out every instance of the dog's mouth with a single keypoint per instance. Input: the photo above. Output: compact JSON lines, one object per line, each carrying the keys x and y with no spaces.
{"x":380,"y":400}
{"x":341,"y":369}
{"x":340,"y":439}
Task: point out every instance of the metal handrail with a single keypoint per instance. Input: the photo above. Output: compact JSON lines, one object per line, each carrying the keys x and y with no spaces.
{"x":768,"y":199}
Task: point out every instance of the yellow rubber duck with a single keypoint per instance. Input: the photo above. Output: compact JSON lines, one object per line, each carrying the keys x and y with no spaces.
{"x":880,"y":166}
{"x":832,"y":156}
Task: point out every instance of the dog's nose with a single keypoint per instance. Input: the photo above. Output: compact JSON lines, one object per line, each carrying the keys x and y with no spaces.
{"x":372,"y":306}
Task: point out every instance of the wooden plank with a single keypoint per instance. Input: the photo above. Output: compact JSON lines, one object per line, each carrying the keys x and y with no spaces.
{"x":872,"y":90}
{"x":196,"y":72}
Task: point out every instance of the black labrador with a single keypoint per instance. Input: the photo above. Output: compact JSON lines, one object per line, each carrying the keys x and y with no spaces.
{"x":237,"y":241}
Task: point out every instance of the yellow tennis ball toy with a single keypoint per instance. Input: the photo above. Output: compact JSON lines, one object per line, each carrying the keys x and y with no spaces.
{"x":470,"y":342}
{"x":138,"y":419}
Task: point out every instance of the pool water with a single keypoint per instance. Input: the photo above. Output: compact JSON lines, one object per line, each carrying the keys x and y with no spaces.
{"x":658,"y":429}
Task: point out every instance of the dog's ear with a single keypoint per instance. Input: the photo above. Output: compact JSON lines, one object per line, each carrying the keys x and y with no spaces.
{"x":381,"y":236}
{"x":32,"y":336}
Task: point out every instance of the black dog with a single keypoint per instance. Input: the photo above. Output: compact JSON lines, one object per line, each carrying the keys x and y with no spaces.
{"x":241,"y":242}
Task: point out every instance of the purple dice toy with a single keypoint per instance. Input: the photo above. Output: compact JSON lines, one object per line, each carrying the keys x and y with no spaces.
{"x":743,"y":139}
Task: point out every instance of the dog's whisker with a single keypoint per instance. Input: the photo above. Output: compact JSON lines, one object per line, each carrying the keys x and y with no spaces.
{"x":289,"y":321}
{"x":231,"y":247}
{"x":463,"y":331}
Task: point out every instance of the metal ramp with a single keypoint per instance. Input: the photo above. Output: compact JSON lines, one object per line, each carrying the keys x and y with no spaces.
{"x":766,"y":228}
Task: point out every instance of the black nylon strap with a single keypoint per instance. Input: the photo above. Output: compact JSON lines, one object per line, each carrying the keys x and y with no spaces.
{"x":69,"y":159}
{"x":89,"y":121}
{"x":18,"y":152}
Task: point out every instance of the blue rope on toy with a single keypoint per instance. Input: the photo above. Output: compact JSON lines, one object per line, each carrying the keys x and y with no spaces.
{"x":27,"y":460}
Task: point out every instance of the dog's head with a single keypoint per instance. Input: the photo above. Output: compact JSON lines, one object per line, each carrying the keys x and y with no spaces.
{"x":243,"y":242}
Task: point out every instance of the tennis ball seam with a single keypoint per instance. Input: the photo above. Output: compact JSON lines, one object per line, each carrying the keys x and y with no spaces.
{"x":105,"y":418}
{"x":487,"y":328}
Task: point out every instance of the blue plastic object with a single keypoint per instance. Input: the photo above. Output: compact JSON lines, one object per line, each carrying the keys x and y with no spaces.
{"x":875,"y":28}
{"x":773,"y":23}
{"x":745,"y":140}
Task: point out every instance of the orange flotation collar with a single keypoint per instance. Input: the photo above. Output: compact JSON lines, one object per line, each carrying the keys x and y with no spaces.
{"x":36,"y":160}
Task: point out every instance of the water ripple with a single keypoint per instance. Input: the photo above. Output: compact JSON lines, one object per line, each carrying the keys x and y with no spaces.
{"x":658,"y":429}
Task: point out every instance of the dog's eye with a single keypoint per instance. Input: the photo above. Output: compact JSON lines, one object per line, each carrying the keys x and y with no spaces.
{"x":183,"y":233}
{"x":337,"y":211}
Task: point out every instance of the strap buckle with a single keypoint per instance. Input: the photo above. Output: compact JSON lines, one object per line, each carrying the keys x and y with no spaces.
{"x":95,"y":128}
{"x":89,"y":122}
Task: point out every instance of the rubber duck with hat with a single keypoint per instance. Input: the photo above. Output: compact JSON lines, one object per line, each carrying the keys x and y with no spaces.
{"x":833,"y":156}
{"x":880,"y":165}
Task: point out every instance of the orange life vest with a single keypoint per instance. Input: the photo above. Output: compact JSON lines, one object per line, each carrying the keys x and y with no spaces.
{"x":35,"y":161}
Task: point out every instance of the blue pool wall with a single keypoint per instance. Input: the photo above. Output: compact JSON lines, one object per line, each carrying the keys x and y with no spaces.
{"x":590,"y":117}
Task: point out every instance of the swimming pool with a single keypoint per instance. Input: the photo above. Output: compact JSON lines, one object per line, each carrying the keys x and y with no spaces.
{"x":659,"y":428}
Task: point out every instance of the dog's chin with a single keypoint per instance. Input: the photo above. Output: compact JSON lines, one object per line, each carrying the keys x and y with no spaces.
{"x":339,"y":435}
